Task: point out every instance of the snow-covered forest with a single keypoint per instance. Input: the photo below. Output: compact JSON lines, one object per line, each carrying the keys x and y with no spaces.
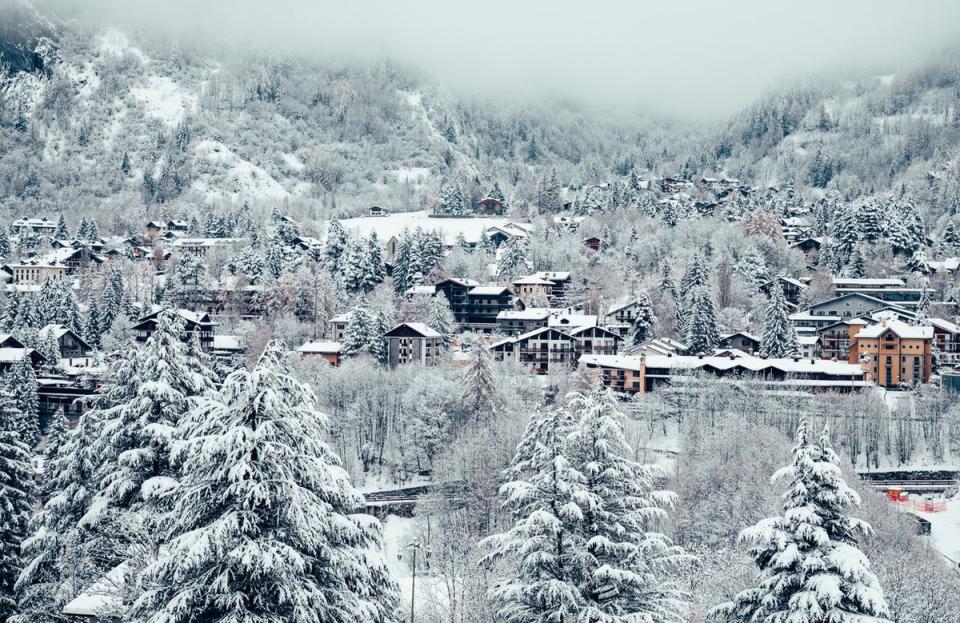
{"x":292,"y":331}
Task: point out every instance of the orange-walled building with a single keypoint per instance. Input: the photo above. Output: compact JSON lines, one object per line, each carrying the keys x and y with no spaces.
{"x":893,"y":352}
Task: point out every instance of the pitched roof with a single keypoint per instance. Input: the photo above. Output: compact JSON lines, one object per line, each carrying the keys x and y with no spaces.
{"x":327,"y":348}
{"x":417,"y":327}
{"x":899,"y":328}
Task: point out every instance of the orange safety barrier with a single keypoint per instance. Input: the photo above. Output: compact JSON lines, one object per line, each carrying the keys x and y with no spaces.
{"x":929,"y":506}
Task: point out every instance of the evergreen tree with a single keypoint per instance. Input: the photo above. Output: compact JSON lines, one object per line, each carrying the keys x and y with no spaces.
{"x":451,"y":199}
{"x":375,"y":270}
{"x":666,"y":283}
{"x":16,"y":507}
{"x":21,"y":382}
{"x":696,"y":276}
{"x":642,"y":328}
{"x":4,"y":243}
{"x":359,"y":329}
{"x":356,"y":267}
{"x":923,"y":309}
{"x":264,"y":526}
{"x":335,"y":247}
{"x":513,"y":260}
{"x":629,"y":565}
{"x":401,"y":264}
{"x":59,"y":563}
{"x":62,"y":232}
{"x":497,"y":193}
{"x":950,"y":239}
{"x":136,"y":436}
{"x":441,"y":319}
{"x":754,"y":269}
{"x":480,"y":396}
{"x":811,"y":569}
{"x":779,"y":335}
{"x":377,"y":343}
{"x":856,"y":266}
{"x":900,"y":240}
{"x":701,"y":323}
{"x":541,"y":496}
{"x":871,"y":221}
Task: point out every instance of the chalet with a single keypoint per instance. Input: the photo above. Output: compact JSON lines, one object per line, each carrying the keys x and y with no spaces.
{"x":475,"y":307}
{"x":499,"y":235}
{"x":810,"y":346}
{"x":193,"y":323}
{"x":337,"y":327}
{"x":902,"y":297}
{"x":894,"y":352}
{"x":540,"y":350}
{"x":835,"y":338}
{"x":946,"y":337}
{"x":792,"y":289}
{"x":178,"y":226}
{"x":412,"y":342}
{"x":378,"y":211}
{"x":807,"y":323}
{"x":569,"y":318}
{"x":75,"y":259}
{"x":154,"y":230}
{"x":947,"y":265}
{"x":490,"y":206}
{"x":808,"y":246}
{"x":455,"y":289}
{"x":741,"y":340}
{"x":847,"y":306}
{"x":11,"y":355}
{"x":593,"y":243}
{"x":657,"y":346}
{"x":621,"y":317}
{"x":329,"y":351}
{"x":71,"y":345}
{"x":633,"y":374}
{"x":41,"y":225}
{"x":594,"y":340}
{"x":560,"y":281}
{"x":675,"y":185}
{"x":515,"y":322}
{"x":532,"y":286}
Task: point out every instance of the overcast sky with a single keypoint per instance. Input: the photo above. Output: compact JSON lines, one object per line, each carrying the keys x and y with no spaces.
{"x":700,"y":58}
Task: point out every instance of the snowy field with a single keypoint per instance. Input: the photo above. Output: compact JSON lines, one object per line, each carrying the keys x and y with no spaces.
{"x":393,"y":225}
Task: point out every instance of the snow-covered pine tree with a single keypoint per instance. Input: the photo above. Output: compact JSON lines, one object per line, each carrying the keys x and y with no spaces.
{"x":4,"y":243}
{"x":702,"y":335}
{"x":401,"y":264}
{"x":923,"y":309}
{"x":900,"y":238}
{"x":62,"y":232}
{"x":696,"y":276}
{"x":375,"y":271}
{"x":264,"y":525}
{"x":779,"y":337}
{"x":21,"y":382}
{"x":497,"y":193}
{"x":441,"y":319}
{"x":356,"y":267}
{"x":545,"y":540}
{"x":93,"y":326}
{"x":666,"y":283}
{"x":480,"y":397}
{"x":136,"y":435}
{"x":630,"y":567}
{"x":642,"y":328}
{"x":513,"y":260}
{"x":58,"y":565}
{"x":951,"y":237}
{"x":359,"y":328}
{"x":754,"y":269}
{"x":16,"y":508}
{"x":377,"y":344}
{"x":335,"y":247}
{"x":811,"y":570}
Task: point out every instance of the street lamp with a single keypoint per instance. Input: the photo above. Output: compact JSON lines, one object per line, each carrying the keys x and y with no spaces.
{"x":414,"y":545}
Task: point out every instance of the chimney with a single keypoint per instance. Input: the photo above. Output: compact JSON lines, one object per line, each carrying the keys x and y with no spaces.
{"x":796,"y":359}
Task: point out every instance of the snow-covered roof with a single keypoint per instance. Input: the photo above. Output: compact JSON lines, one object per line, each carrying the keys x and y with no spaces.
{"x":621,"y":306}
{"x":531,"y":313}
{"x":787,"y":365}
{"x":805,"y":315}
{"x":808,"y":340}
{"x":420,"y":328}
{"x":393,"y":224}
{"x":205,"y":242}
{"x":12,"y":355}
{"x":572,"y":320}
{"x":427,"y":290}
{"x":487,"y":290}
{"x":340,"y":318}
{"x":531,"y":281}
{"x":105,"y":596}
{"x":846,"y":282}
{"x":749,"y":336}
{"x":227,"y":342}
{"x":946,"y":325}
{"x":899,"y":328}
{"x":321,"y":348}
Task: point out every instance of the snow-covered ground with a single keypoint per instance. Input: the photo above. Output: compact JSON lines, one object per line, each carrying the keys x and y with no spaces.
{"x":945,"y":529}
{"x":394,"y":224}
{"x":238,"y":178}
{"x":398,"y":533}
{"x":164,"y":99}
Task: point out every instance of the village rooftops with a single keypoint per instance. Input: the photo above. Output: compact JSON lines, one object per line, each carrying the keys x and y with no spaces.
{"x":787,"y":365}
{"x":532,"y":281}
{"x":899,"y":328}
{"x":945,"y":325}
